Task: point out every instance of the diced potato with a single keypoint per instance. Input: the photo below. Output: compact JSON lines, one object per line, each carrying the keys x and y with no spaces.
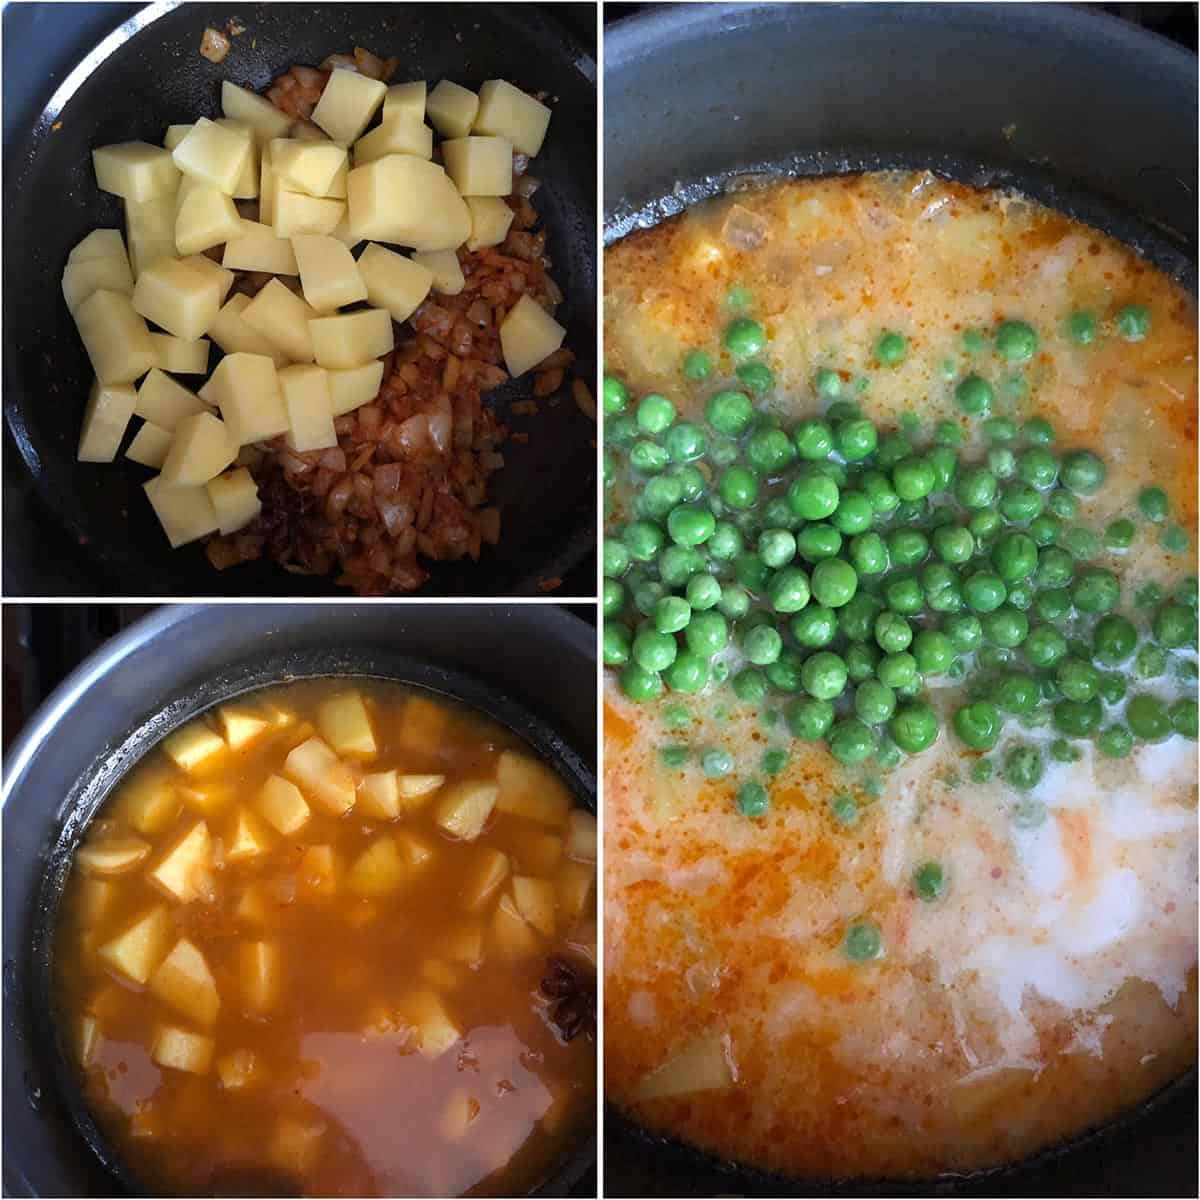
{"x":294,"y":213}
{"x":343,"y":234}
{"x":254,"y":110}
{"x":442,"y":976}
{"x":174,"y":135}
{"x":345,"y":725}
{"x":179,"y":355}
{"x":575,"y":886}
{"x":251,"y":907}
{"x":135,"y":171}
{"x":105,"y":419}
{"x":463,"y":943}
{"x":407,"y":98}
{"x":581,"y":836}
{"x":87,"y":1039}
{"x":184,"y":513}
{"x":214,"y":154}
{"x":283,"y":319}
{"x":464,"y":808}
{"x":308,"y":167}
{"x":240,"y":1069}
{"x":417,"y":790}
{"x":260,"y":968}
{"x":700,"y":1066}
{"x":268,"y":187}
{"x":349,"y":339}
{"x":461,"y":1110}
{"x":137,"y":950}
{"x":352,"y":387}
{"x":192,"y":746}
{"x":247,"y":838}
{"x":479,"y":166}
{"x":81,"y":279}
{"x":95,"y":899}
{"x":111,"y":855}
{"x":318,"y":870}
{"x":306,"y":401}
{"x":296,"y":1142}
{"x":246,"y":387}
{"x":183,"y":982}
{"x":452,"y":109}
{"x":166,"y":403}
{"x":246,"y":187}
{"x":422,"y":727}
{"x":211,"y":270}
{"x":146,"y":1124}
{"x":234,"y":336}
{"x":240,"y":726}
{"x":235,"y":499}
{"x":257,"y":248}
{"x":183,"y":869}
{"x":329,"y":275}
{"x":490,"y":219}
{"x":339,"y":187}
{"x":407,"y":201}
{"x":347,"y":105}
{"x":206,"y":218}
{"x":379,"y":796}
{"x":110,"y":1002}
{"x":423,"y":1011}
{"x":182,"y":1050}
{"x":149,"y":446}
{"x":508,"y":112}
{"x":445,"y":268}
{"x":537,"y":853}
{"x":530,"y":789}
{"x":177,"y":297}
{"x":326,"y":779}
{"x":115,"y":337}
{"x":400,"y":134}
{"x":200,"y":450}
{"x":209,"y":801}
{"x":414,"y":850}
{"x":148,"y":801}
{"x":527,"y":335}
{"x":482,"y":879}
{"x":536,"y":902}
{"x":100,"y":243}
{"x":281,"y":803}
{"x":150,"y":230}
{"x":510,"y":937}
{"x":393,"y":282}
{"x":378,"y":870}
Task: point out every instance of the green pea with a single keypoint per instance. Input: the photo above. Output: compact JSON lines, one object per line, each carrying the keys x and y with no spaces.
{"x":863,"y":941}
{"x":690,"y":525}
{"x":1078,"y":718}
{"x":1119,"y":534}
{"x":965,"y":632}
{"x":1115,"y":742}
{"x":898,"y":670}
{"x":827,"y":383}
{"x":1095,"y":590}
{"x":929,"y":882}
{"x":810,"y":720}
{"x":617,"y":646}
{"x":659,"y":496}
{"x":862,"y":660}
{"x":1082,"y":472}
{"x":788,"y":590}
{"x":813,"y":439}
{"x":1038,"y":431}
{"x":643,"y":540}
{"x":1015,"y":557}
{"x":1023,"y":767}
{"x":984,"y":591}
{"x":750,"y":686}
{"x":647,"y":457}
{"x":1055,"y":567}
{"x":874,"y":702}
{"x":913,"y":479}
{"x":1045,"y":646}
{"x":726,"y":541}
{"x":813,"y":495}
{"x":723,"y":453}
{"x":877,"y":488}
{"x":1017,"y":693}
{"x":999,"y":429}
{"x":762,"y":644}
{"x":671,"y":614}
{"x":706,"y":634}
{"x":1153,"y":504}
{"x":784,"y":672}
{"x":1149,"y":718}
{"x":616,"y":396}
{"x":620,"y":430}
{"x":903,"y":594}
{"x":979,"y":724}
{"x":655,"y":413}
{"x":1078,"y":680}
{"x":1188,"y":593}
{"x":891,"y":349}
{"x":834,"y":582}
{"x":974,"y":396}
{"x":755,"y":377}
{"x":843,"y":809}
{"x":769,"y":451}
{"x":738,"y":488}
{"x":891,"y":450}
{"x":1133,"y":322}
{"x":818,"y":540}
{"x":730,"y":413}
{"x":1183,"y":714}
{"x":1148,"y":595}
{"x":933,"y":651}
{"x":892,"y":632}
{"x":1016,"y":341}
{"x":752,"y":800}
{"x":1112,"y":687}
{"x":615,"y":557}
{"x":823,"y":675}
{"x":1149,"y":662}
{"x":640,"y":684}
{"x":674,"y":757}
{"x":914,"y":727}
{"x":975,"y":487}
{"x":868,"y":554}
{"x":697,"y":365}
{"x":1022,"y":504}
{"x":1063,"y":504}
{"x":857,"y":619}
{"x":907,"y":547}
{"x":1044,"y":529}
{"x":716,"y":763}
{"x":1037,"y":467}
{"x":1081,"y":328}
{"x":1113,"y":639}
{"x":815,"y":626}
{"x":654,"y":651}
{"x":1079,"y":542}
{"x":744,"y":337}
{"x":734,"y":602}
{"x":853,"y":514}
{"x":1001,"y":462}
{"x":1175,"y":626}
{"x":851,"y":741}
{"x":613,"y":597}
{"x":688,"y":673}
{"x":939,"y":581}
{"x":1063,"y":751}
{"x":856,"y":439}
{"x":776,"y":547}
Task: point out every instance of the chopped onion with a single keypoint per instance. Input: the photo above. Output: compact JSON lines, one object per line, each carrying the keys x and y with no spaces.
{"x":743,"y":229}
{"x":413,"y":434}
{"x":397,"y":514}
{"x":334,"y":459}
{"x":525,"y":185}
{"x":214,"y":45}
{"x":387,"y":478}
{"x":440,"y":423}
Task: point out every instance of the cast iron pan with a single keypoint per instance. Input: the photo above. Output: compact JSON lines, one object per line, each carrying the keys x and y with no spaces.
{"x":1083,"y":113}
{"x":148,"y":74}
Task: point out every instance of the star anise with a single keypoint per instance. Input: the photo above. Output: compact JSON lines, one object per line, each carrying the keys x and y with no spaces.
{"x":572,"y":998}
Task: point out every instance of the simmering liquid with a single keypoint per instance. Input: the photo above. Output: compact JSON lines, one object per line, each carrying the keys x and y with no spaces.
{"x":303,"y":947}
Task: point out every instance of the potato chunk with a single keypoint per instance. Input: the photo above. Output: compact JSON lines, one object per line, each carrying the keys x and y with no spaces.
{"x":575,"y":886}
{"x":247,"y":839}
{"x":200,"y":450}
{"x":536,"y":853}
{"x":254,"y":110}
{"x":581,"y":836}
{"x":701,"y":1065}
{"x":180,"y":355}
{"x":349,"y":339}
{"x":260,"y":968}
{"x":490,"y":219}
{"x":182,"y":1050}
{"x":329,"y":275}
{"x":211,"y":271}
{"x":508,"y":112}
{"x":137,"y":950}
{"x":183,"y":871}
{"x":293,"y":213}
{"x":393,"y":281}
{"x":95,"y":899}
{"x":234,"y":336}
{"x":378,"y":870}
{"x":177,"y":297}
{"x":105,"y":419}
{"x":100,"y":243}
{"x":246,"y":388}
{"x":452,"y":109}
{"x":318,"y":870}
{"x":251,"y":908}
{"x":135,"y":171}
{"x":464,"y":808}
{"x":510,"y":938}
{"x":111,"y":855}
{"x":205,"y":218}
{"x":406,"y":98}
{"x":345,"y":725}
{"x":184,"y":513}
{"x":281,"y":803}
{"x":115,"y":337}
{"x":192,"y":746}
{"x":399,"y":134}
{"x":445,"y":268}
{"x":482,"y":879}
{"x":166,"y":403}
{"x":81,"y":279}
{"x":463,"y":943}
{"x":150,"y":231}
{"x":240,"y":1069}
{"x":258,"y":248}
{"x":326,"y":779}
{"x":527,"y":335}
{"x":409,"y":202}
{"x":347,"y":105}
{"x":306,"y":401}
{"x":308,"y":167}
{"x":352,"y":387}
{"x":214,"y":154}
{"x":536,"y":902}
{"x":235,"y":499}
{"x":379,"y":796}
{"x":422,"y":1010}
{"x":415,"y":851}
{"x":183,"y":982}
{"x":239,"y":726}
{"x":530,"y":789}
{"x":479,"y":166}
{"x":246,"y":187}
{"x":283,"y":319}
{"x":150,"y":445}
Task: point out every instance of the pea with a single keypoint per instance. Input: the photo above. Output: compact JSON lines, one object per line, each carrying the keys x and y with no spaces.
{"x":620,"y":430}
{"x":730,"y":413}
{"x":834,"y":582}
{"x":677,"y":564}
{"x":1015,"y":557}
{"x":974,"y":396}
{"x":851,"y":741}
{"x":937,"y":579}
{"x":944,"y":463}
{"x":965,"y":632}
{"x":818,"y":540}
{"x":856,"y":439}
{"x":1044,"y":529}
{"x":725,"y":542}
{"x":891,"y":450}
{"x":858,"y":617}
{"x":617,"y":647}
{"x":750,"y":686}
{"x":640,"y":684}
{"x":744,"y":337}
{"x":1150,"y":661}
{"x":827,"y":383}
{"x":898,"y":670}
{"x":907,"y":547}
{"x":723,"y":453}
{"x":613,"y":597}
{"x":643,"y":540}
{"x":1081,"y":328}
{"x":1078,"y":680}
{"x":1017,"y":693}
{"x":913,"y":479}
{"x":902,"y":594}
{"x":707,"y":634}
{"x":853,"y":514}
{"x":914,"y":727}
{"x":863,"y":942}
{"x":877,"y":488}
{"x":752,"y":800}
{"x":953,"y":544}
{"x":769,"y":451}
{"x":784,"y":672}
{"x":1095,"y":590}
{"x":1133,"y":322}
{"x":862,"y":661}
{"x":1079,"y":542}
{"x":616,"y":396}
{"x":1023,"y":767}
{"x":892,"y":632}
{"x":815,"y":626}
{"x":1016,"y":341}
{"x":690,"y":525}
{"x":1112,"y":687}
{"x":776,"y":547}
{"x":1183,"y":714}
{"x":734,"y":602}
{"x":929,"y":882}
{"x":810,"y":720}
{"x":843,"y":809}
{"x":1082,"y":472}
{"x":1045,"y":646}
{"x":788,"y":590}
{"x":813,"y":439}
{"x":1148,"y":717}
{"x":1118,"y":534}
{"x":647,"y":457}
{"x":755,"y":377}
{"x":979,"y":725}
{"x":716,"y":764}
{"x":1078,"y":718}
{"x":654,"y":651}
{"x":1187,"y":593}
{"x":1175,"y":626}
{"x":1113,"y":639}
{"x":1063,"y":505}
{"x":983,"y":770}
{"x":868,"y":554}
{"x":823,"y":675}
{"x":1148,"y":595}
{"x":984,"y":591}
{"x":1055,"y":567}
{"x":655,"y":413}
{"x":891,"y":348}
{"x":1174,"y":538}
{"x":688,"y":673}
{"x":975,"y":487}
{"x":738,"y":488}
{"x":813,"y":495}
{"x":1022,"y":504}
{"x":1115,"y":742}
{"x":762,"y":645}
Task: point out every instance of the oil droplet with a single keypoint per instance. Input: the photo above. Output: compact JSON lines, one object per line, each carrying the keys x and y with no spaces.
{"x":504,"y":1087}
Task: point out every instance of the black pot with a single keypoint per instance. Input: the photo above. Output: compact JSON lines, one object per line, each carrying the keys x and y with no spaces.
{"x":161,"y":672}
{"x":1079,"y":110}
{"x":147,"y":74}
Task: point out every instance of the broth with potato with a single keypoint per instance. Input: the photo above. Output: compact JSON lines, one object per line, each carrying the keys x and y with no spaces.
{"x":335,"y":937}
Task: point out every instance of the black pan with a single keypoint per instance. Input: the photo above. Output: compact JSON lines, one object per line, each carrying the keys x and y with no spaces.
{"x":1083,"y":112}
{"x":148,"y":74}
{"x":158,"y":674}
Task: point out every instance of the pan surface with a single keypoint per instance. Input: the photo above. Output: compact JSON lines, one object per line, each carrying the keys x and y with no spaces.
{"x":1083,"y":113}
{"x":149,"y":74}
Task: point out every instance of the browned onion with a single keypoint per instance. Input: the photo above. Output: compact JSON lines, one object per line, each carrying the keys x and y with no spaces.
{"x":387,"y":478}
{"x":334,"y":459}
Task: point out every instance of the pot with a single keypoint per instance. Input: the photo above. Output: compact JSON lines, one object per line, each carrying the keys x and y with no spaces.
{"x":1080,"y":111}
{"x":159,"y":673}
{"x":148,"y":73}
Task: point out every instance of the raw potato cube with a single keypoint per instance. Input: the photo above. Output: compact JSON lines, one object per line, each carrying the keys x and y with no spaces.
{"x":268,"y":186}
{"x":184,"y":982}
{"x":234,"y":336}
{"x":407,"y":98}
{"x":174,"y":135}
{"x":379,"y":796}
{"x":343,"y":233}
{"x":105,"y":419}
{"x":535,"y":900}
{"x":111,"y":855}
{"x":239,"y":726}
{"x":115,"y":337}
{"x":250,"y":906}
{"x":397,"y":135}
{"x":465,"y":807}
{"x":95,"y":899}
{"x":537,"y":853}
{"x":192,"y":746}
{"x":409,"y":202}
{"x":508,"y":112}
{"x":200,"y":450}
{"x":318,"y":870}
{"x":81,"y":279}
{"x":240,"y":1069}
{"x":490,"y":219}
{"x":378,"y":870}
{"x":345,"y":725}
{"x":479,"y":166}
{"x":206,"y":217}
{"x":483,"y":879}
{"x":328,"y":273}
{"x":182,"y":1050}
{"x":234,"y":496}
{"x":296,"y":1142}
{"x":183,"y":869}
{"x":283,"y":318}
{"x":135,"y":171}
{"x":581,"y":836}
{"x":100,"y":243}
{"x":445,"y":268}
{"x":179,"y":355}
{"x":211,"y":270}
{"x":294,"y":212}
{"x":139,"y":949}
{"x":246,"y":187}
{"x":455,"y":1121}
{"x":415,"y":851}
{"x":281,"y":803}
{"x":247,"y":838}
{"x":260,"y":965}
{"x":347,"y":105}
{"x":184,"y":513}
{"x":177,"y":297}
{"x":258,"y":112}
{"x":327,"y":780}
{"x":349,"y":339}
{"x":87,"y":1040}
{"x":442,"y":976}
{"x":393,"y":281}
{"x":530,"y":789}
{"x":463,"y":943}
{"x":510,"y":938}
{"x":352,"y":387}
{"x":150,"y":230}
{"x":214,"y":154}
{"x":575,"y":885}
{"x":149,"y":446}
{"x":246,"y":387}
{"x":527,"y":335}
{"x":308,"y":167}
{"x":166,"y":403}
{"x":452,"y":109}
{"x":306,"y":401}
{"x":422,"y":1010}
{"x":257,"y":248}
